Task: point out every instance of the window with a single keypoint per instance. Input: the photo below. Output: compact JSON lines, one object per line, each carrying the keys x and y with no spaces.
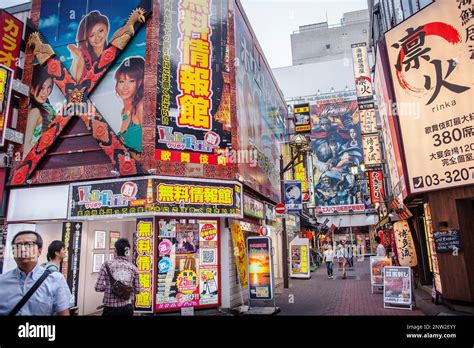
{"x":328,"y":46}
{"x":407,"y":8}
{"x":424,"y":3}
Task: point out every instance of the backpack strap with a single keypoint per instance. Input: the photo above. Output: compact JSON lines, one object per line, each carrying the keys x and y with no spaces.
{"x":109,"y":273}
{"x":30,"y":293}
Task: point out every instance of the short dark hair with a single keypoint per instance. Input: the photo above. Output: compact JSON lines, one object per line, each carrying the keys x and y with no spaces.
{"x":55,"y":246}
{"x":377,"y":239}
{"x":39,"y":240}
{"x":121,"y":245}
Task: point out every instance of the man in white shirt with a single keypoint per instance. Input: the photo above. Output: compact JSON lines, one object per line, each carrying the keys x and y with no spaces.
{"x":329,"y":259}
{"x":380,"y":247}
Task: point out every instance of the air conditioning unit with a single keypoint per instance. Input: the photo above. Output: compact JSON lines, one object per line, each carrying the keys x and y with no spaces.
{"x":5,"y":160}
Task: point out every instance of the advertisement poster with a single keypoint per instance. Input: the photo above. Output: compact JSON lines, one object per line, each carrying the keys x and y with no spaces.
{"x":362,"y":74}
{"x":144,"y":260}
{"x":293,"y":196}
{"x":188,"y":265}
{"x":240,"y":254}
{"x":193,"y":100}
{"x":302,"y":118}
{"x":155,"y":196}
{"x":377,"y":263}
{"x":405,"y":246}
{"x":337,"y":145}
{"x":431,"y":62}
{"x":397,"y":286}
{"x":11,"y":31}
{"x":71,"y":236}
{"x":299,"y":253}
{"x":376,"y":186}
{"x":260,"y":268}
{"x":261,"y":112}
{"x":447,"y":241}
{"x":6,"y":78}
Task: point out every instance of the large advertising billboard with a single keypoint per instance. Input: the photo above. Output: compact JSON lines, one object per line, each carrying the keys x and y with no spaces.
{"x":430,"y":57}
{"x":261,"y":112}
{"x":337,"y":145}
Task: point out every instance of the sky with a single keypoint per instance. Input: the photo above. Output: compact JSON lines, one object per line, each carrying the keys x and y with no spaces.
{"x":273,"y":21}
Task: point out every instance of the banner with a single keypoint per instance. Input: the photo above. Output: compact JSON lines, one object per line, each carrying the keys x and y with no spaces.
{"x":377,"y":263}
{"x":155,"y":195}
{"x":260,"y":268}
{"x":300,"y":175}
{"x":363,"y":80}
{"x":193,"y":94}
{"x":11,"y":32}
{"x":302,"y":118}
{"x":293,"y":196}
{"x":372,"y":150}
{"x":405,"y":246}
{"x":368,"y":121}
{"x":72,"y":236}
{"x":240,"y":254}
{"x":447,"y":241}
{"x":397,"y":286}
{"x":6,"y":78}
{"x":431,"y":59}
{"x":376,"y":186}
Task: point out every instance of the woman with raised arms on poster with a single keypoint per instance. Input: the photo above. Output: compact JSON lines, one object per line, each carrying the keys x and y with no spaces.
{"x":91,"y":41}
{"x":129,"y":87}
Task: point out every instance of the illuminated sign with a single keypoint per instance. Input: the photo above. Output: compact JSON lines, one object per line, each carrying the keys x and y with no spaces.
{"x":143,"y":257}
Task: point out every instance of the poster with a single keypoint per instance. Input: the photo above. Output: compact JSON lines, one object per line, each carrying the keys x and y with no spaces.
{"x":405,"y":246}
{"x":337,"y":145}
{"x":397,"y":286}
{"x":261,"y":113}
{"x":71,"y":236}
{"x":99,"y":239}
{"x":188,"y":265}
{"x":447,"y":241}
{"x":302,"y":118}
{"x":6,"y":79}
{"x":362,"y":74}
{"x":113,"y":237}
{"x":11,"y":31}
{"x":240,"y":254}
{"x":260,"y":268}
{"x":299,"y":258}
{"x":377,"y":263}
{"x":143,"y":256}
{"x":193,"y":94}
{"x":98,"y":260}
{"x":431,"y":61}
{"x":293,"y":196}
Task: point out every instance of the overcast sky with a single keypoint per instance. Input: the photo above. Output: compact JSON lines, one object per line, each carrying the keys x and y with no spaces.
{"x":275,"y":20}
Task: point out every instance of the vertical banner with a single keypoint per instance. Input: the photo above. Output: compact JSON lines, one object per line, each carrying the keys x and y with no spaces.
{"x":363,"y":80}
{"x":260,"y":268}
{"x":11,"y":31}
{"x":302,"y":119}
{"x":71,"y":236}
{"x":143,"y":252}
{"x":240,"y":254}
{"x":372,"y":151}
{"x":376,"y":186}
{"x":397,"y":287}
{"x":368,"y":122}
{"x":293,"y":196}
{"x":405,"y":246}
{"x":6,"y":79}
{"x":301,"y":175}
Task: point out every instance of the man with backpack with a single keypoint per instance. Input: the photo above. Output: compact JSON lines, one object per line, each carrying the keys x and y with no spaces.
{"x":119,"y":281}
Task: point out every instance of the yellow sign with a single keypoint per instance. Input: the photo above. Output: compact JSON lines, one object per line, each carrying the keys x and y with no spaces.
{"x":304,"y":259}
{"x":239,"y":253}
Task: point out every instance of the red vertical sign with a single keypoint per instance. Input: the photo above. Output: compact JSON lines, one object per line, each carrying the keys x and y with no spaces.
{"x":376,"y":186}
{"x":11,"y":31}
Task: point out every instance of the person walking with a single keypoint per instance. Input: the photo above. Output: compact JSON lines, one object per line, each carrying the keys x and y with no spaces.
{"x":380,"y":247}
{"x":341,"y":255}
{"x":119,"y":281}
{"x":329,"y":259}
{"x":56,"y":253}
{"x":30,"y":289}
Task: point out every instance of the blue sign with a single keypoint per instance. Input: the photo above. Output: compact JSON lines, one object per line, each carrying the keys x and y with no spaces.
{"x":164,"y":265}
{"x":293,"y":196}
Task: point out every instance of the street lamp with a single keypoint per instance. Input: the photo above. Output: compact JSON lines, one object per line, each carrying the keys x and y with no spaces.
{"x":300,"y":144}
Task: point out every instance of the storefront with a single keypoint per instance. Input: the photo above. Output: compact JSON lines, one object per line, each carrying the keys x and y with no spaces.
{"x":175,"y":227}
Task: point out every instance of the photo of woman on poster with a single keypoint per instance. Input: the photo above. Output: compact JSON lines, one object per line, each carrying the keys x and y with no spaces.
{"x":129,"y":87}
{"x":41,"y":112}
{"x":91,"y":41}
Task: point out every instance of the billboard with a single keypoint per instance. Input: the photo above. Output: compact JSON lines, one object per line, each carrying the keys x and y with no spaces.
{"x":193,"y":95}
{"x":337,"y":145}
{"x":11,"y":32}
{"x":363,"y":81}
{"x":261,"y":112}
{"x":302,"y":118}
{"x":430,"y":57}
{"x":6,"y":78}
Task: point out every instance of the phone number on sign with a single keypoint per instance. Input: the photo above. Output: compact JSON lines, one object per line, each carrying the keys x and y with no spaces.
{"x":448,"y":177}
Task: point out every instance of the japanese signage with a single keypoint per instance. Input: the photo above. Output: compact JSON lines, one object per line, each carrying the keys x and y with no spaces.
{"x":6,"y":78}
{"x":337,"y":145}
{"x":155,"y":195}
{"x":376,"y":186}
{"x":368,"y":122}
{"x":293,"y":196}
{"x":363,"y":80}
{"x":252,"y":207}
{"x":11,"y":31}
{"x":260,"y":268}
{"x":261,"y":111}
{"x":372,"y":151}
{"x":193,"y":113}
{"x":300,"y":175}
{"x":434,"y":265}
{"x":302,"y":118}
{"x":397,"y":286}
{"x":431,"y":58}
{"x":405,"y":245}
{"x":71,"y":236}
{"x":447,"y":241}
{"x":144,"y":260}
{"x":240,"y":254}
{"x":299,"y":261}
{"x":188,"y":268}
{"x":377,"y":263}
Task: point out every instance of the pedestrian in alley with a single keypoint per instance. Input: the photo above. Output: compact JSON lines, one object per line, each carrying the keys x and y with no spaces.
{"x":329,"y":259}
{"x":349,"y":254}
{"x":30,"y":289}
{"x":119,"y":281}
{"x":380,"y":247}
{"x":56,"y":253}
{"x":341,"y":256}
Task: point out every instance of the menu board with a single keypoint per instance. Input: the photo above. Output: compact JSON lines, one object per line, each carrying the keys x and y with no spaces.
{"x":448,"y":241}
{"x":397,"y":286}
{"x":377,"y":263}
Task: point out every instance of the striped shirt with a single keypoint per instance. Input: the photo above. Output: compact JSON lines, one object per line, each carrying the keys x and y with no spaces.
{"x":123,"y":271}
